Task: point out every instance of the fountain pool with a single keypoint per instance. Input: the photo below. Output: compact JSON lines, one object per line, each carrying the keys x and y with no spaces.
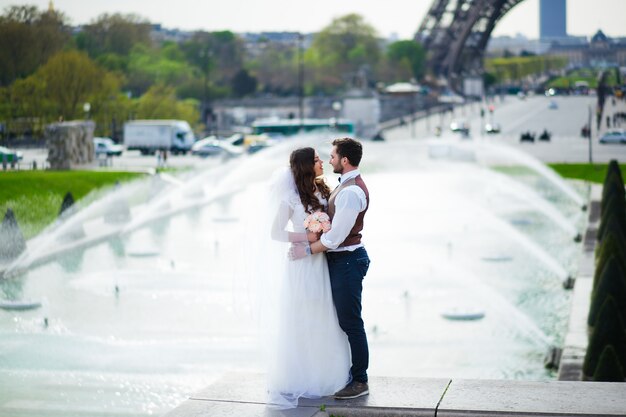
{"x":147,"y":307}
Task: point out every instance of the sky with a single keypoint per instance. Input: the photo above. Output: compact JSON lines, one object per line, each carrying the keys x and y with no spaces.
{"x":399,"y":17}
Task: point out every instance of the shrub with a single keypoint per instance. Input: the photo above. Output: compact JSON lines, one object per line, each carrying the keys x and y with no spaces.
{"x":609,"y":368}
{"x":12,"y":242}
{"x":614,"y":168}
{"x":609,"y":330}
{"x":615,"y":207}
{"x":614,"y":243}
{"x":611,"y":284}
{"x":612,"y":186}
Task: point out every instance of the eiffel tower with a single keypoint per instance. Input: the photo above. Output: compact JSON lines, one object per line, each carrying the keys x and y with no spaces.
{"x":455,"y":34}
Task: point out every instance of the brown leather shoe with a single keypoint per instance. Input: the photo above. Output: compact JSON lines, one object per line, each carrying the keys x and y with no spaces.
{"x":353,"y":390}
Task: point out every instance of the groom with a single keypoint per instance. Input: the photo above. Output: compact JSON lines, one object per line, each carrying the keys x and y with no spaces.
{"x":347,"y":259}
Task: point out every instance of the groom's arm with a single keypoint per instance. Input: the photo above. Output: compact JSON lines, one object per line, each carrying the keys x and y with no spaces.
{"x":317,"y":247}
{"x":347,"y":208}
{"x":349,"y":203}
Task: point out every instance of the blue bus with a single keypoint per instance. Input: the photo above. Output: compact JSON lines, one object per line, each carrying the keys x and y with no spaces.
{"x":289,"y":127}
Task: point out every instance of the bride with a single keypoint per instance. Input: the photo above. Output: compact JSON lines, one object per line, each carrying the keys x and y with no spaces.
{"x":310,"y":355}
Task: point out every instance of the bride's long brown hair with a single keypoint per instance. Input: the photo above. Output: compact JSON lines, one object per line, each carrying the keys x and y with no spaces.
{"x":302,"y":163}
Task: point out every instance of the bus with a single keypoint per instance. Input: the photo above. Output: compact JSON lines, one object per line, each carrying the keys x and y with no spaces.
{"x":290,"y":127}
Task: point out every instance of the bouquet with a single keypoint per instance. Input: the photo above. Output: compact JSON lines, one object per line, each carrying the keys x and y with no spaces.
{"x":317,"y":222}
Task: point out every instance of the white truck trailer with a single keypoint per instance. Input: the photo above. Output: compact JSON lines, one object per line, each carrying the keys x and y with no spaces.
{"x":149,"y":136}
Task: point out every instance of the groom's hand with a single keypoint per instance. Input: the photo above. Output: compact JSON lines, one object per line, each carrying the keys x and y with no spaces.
{"x":299,"y":251}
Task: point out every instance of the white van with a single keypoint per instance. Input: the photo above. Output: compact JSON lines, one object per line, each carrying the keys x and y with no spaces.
{"x":149,"y":136}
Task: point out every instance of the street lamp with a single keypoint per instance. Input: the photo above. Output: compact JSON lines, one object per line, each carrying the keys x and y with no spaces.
{"x":300,"y":81}
{"x":86,"y":109}
{"x":205,"y":57}
{"x":337,"y":108}
{"x":590,"y":135}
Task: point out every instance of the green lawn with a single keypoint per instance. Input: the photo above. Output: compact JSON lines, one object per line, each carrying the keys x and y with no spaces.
{"x":587,"y":172}
{"x":35,"y":196}
{"x":588,"y":75}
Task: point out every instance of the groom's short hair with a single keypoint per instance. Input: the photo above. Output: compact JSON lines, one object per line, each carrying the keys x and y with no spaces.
{"x":351,"y":149}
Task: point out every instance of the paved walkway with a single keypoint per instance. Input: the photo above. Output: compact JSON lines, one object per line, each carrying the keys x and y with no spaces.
{"x":575,"y":343}
{"x":242,"y":395}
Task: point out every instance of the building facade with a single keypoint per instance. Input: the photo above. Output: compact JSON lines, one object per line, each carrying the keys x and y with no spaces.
{"x":552,"y":19}
{"x":601,"y":51}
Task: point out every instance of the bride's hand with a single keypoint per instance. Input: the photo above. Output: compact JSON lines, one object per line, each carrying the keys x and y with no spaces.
{"x":313,"y":237}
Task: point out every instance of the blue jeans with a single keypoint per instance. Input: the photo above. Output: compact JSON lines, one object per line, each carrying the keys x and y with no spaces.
{"x":347,"y":270}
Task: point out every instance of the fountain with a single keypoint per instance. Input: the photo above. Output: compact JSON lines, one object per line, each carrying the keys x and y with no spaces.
{"x":139,"y":312}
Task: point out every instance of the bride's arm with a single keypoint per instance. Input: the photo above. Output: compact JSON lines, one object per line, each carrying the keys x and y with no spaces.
{"x":279,"y":232}
{"x":280,"y":223}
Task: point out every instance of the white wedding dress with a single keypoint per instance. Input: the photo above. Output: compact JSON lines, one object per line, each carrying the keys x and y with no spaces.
{"x":310,"y":355}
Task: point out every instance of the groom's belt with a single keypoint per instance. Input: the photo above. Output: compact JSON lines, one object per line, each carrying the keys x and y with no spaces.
{"x":342,"y":253}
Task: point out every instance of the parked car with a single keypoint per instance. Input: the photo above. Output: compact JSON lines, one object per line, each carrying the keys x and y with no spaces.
{"x":212,"y":146}
{"x":492,"y":128}
{"x":460,"y":126}
{"x":106,"y":146}
{"x":209,"y":146}
{"x":614,"y":136}
{"x":11,"y":156}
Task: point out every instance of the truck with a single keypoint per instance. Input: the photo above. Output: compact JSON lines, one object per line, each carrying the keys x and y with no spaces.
{"x":150,"y":136}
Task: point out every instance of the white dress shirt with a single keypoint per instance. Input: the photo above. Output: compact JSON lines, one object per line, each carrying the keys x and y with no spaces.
{"x":349,"y":202}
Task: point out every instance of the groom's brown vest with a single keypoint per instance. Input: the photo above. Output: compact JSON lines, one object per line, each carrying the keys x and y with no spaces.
{"x":354,"y":237}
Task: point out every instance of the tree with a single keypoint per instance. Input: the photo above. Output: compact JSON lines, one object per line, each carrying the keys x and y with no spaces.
{"x":109,"y":107}
{"x":59,"y":89}
{"x":71,"y":78}
{"x":217,"y":56}
{"x":408,"y":53}
{"x":343,"y":49}
{"x":160,"y":102}
{"x":148,"y":66}
{"x":28,"y":38}
{"x":243,"y":83}
{"x":116,"y":34}
{"x":28,"y":107}
{"x":276,"y":68}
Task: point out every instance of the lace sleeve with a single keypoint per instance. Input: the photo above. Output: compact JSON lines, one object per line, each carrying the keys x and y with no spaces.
{"x":283,"y":196}
{"x":279,"y":225}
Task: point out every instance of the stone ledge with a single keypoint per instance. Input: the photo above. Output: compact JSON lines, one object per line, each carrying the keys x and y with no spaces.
{"x":419,"y":395}
{"x":243,"y":395}
{"x":526,"y":398}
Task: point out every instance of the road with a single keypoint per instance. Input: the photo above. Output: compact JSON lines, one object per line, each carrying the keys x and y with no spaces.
{"x":531,"y":114}
{"x":129,"y":161}
{"x":513,"y":114}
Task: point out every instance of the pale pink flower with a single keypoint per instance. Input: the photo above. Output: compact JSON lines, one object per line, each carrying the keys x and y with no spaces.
{"x":315,"y":226}
{"x":317,"y":222}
